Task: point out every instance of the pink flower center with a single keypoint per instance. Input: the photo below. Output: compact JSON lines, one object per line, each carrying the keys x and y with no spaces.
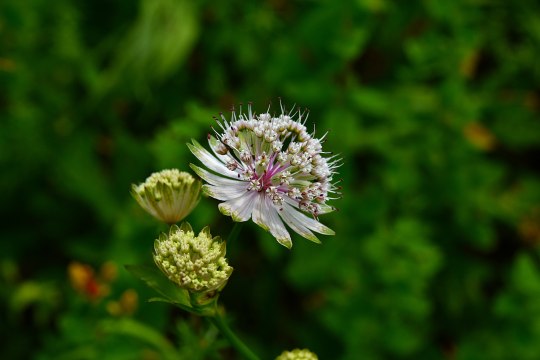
{"x":265,"y":179}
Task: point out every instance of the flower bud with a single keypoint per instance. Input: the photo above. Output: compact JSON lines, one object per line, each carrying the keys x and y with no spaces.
{"x":297,"y":354}
{"x":195,"y":263}
{"x":168,"y":195}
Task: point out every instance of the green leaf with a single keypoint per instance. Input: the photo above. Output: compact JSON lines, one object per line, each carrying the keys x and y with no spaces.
{"x":155,"y":279}
{"x":140,"y":331}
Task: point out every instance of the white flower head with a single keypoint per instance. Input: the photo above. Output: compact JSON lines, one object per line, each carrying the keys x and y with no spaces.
{"x":270,"y":169}
{"x":297,"y":354}
{"x":168,"y":195}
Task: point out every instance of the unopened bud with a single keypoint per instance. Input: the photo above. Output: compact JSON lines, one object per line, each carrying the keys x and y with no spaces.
{"x":168,"y":195}
{"x":195,"y":263}
{"x":297,"y":354}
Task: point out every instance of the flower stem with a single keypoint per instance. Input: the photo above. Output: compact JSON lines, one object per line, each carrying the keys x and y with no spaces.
{"x":221,"y":324}
{"x":234,"y":232}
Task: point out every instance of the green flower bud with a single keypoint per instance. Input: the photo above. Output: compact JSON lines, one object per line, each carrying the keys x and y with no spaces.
{"x":297,"y":354}
{"x":195,"y":263}
{"x":168,"y":195}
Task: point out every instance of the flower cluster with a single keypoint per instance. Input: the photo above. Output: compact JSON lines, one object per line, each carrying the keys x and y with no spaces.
{"x":297,"y":354}
{"x":269,"y":168}
{"x":195,"y":263}
{"x":168,"y":195}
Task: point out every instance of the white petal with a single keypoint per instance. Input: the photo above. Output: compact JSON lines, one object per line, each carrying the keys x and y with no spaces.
{"x":258,"y":214}
{"x":308,"y":222}
{"x":277,"y":229}
{"x":297,"y":226}
{"x":265,"y":215}
{"x":210,"y":161}
{"x":227,"y":192}
{"x":239,"y":209}
{"x":213,"y":178}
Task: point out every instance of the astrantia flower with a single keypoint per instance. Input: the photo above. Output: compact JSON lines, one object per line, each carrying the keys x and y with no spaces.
{"x":195,"y":263}
{"x":297,"y":354}
{"x":270,"y":169}
{"x":168,"y":195}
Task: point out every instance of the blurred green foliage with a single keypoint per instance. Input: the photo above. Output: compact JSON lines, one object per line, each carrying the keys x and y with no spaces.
{"x":433,"y":105}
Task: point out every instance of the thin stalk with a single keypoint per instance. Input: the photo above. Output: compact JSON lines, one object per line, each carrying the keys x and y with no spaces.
{"x":220,"y":322}
{"x":242,"y":348}
{"x":234,"y":232}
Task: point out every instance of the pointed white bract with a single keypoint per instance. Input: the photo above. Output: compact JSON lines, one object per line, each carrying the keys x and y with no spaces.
{"x":270,"y":169}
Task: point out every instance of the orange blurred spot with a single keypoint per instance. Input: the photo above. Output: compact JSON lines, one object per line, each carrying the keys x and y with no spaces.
{"x":532,"y":101}
{"x":80,"y":275}
{"x":479,"y":136}
{"x":469,"y":63}
{"x":7,"y":64}
{"x":83,"y":279}
{"x":529,"y":227}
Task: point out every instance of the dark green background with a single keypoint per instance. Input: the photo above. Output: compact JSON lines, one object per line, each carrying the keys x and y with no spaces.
{"x":433,"y":105}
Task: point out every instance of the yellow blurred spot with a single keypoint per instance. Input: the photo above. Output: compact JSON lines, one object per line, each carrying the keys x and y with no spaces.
{"x":108,"y":271}
{"x":129,"y":301}
{"x":469,"y":63}
{"x":532,"y":101}
{"x":79,"y":275}
{"x":149,"y":354}
{"x":126,"y":305}
{"x":113,"y":308}
{"x":373,"y":5}
{"x":529,"y":227}
{"x":7,"y":64}
{"x":479,"y":136}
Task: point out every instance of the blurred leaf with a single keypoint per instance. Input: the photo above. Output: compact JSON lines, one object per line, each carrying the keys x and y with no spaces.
{"x":158,"y":42}
{"x":142,"y":332}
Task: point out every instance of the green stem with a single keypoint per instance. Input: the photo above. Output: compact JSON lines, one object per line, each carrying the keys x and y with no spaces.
{"x":221,"y":324}
{"x":234,"y":232}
